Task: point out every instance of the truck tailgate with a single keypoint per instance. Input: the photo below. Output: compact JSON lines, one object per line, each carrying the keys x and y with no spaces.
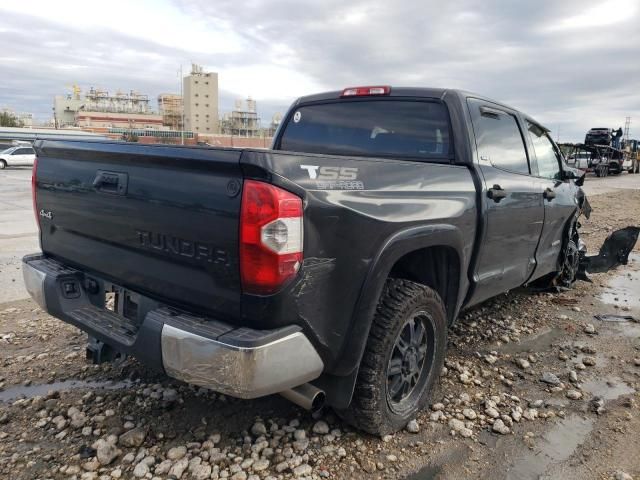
{"x":155,"y":219}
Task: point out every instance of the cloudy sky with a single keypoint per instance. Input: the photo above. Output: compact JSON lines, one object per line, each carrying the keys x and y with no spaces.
{"x":572,"y":64}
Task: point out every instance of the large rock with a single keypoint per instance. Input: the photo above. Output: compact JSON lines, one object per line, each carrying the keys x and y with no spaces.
{"x":260,"y":465}
{"x":176,"y":453}
{"x":133,"y":438}
{"x":106,"y":452}
{"x":321,"y":427}
{"x":550,"y":378}
{"x":413,"y":427}
{"x":620,"y":475}
{"x":201,"y":472}
{"x":141,"y":470}
{"x":500,"y":427}
{"x":574,"y":394}
{"x":179,"y":467}
{"x":258,"y":429}
{"x":163,"y":467}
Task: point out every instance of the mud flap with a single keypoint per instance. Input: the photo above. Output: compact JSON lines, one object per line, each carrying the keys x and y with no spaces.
{"x":614,"y":251}
{"x":583,"y":204}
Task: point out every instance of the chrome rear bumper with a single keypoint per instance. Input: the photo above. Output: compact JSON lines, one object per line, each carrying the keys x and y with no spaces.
{"x":240,"y":362}
{"x":240,"y":371}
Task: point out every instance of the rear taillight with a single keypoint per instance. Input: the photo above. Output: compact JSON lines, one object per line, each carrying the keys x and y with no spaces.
{"x":34,"y":181}
{"x":270,"y":237}
{"x":366,"y":91}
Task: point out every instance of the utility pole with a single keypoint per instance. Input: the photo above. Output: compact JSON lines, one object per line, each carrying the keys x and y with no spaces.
{"x":182,"y":100}
{"x":627,"y":124}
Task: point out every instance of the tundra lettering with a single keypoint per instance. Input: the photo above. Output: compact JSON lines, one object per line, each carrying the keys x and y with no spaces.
{"x":179,"y":246}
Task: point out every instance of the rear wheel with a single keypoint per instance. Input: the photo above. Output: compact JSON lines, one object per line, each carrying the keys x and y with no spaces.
{"x":402,"y":359}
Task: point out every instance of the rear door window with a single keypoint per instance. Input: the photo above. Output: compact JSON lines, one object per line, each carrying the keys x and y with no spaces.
{"x":24,"y":151}
{"x":498,"y":138}
{"x":396,"y":128}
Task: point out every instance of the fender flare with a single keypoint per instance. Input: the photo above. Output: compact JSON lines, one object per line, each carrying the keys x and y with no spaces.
{"x":340,"y":389}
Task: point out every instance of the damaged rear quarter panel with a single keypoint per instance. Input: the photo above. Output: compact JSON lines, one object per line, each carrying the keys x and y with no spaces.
{"x":345,"y":233}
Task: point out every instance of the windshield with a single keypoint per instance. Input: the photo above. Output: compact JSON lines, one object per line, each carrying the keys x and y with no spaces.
{"x":415,"y":129}
{"x":8,"y":150}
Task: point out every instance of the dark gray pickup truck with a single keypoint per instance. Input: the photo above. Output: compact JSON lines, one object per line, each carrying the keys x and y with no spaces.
{"x":325,"y":269}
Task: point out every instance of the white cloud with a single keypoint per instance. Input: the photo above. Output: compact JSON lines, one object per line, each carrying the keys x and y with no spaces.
{"x":570,"y":64}
{"x":160,"y":22}
{"x":603,"y":14}
{"x":267,"y":81}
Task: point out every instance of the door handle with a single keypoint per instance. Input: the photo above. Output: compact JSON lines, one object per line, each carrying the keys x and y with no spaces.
{"x":549,"y":194}
{"x":111,"y":182}
{"x":496,"y":193}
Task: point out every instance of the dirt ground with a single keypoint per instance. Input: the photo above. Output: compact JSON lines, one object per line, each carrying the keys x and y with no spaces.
{"x":534,"y":387}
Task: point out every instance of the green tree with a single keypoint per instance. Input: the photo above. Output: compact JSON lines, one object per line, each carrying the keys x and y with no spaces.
{"x":9,"y":120}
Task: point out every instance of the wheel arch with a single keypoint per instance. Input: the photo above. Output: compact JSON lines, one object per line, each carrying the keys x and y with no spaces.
{"x":400,"y":257}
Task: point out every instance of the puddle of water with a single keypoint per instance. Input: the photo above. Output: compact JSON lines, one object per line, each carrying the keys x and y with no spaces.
{"x":427,"y":473}
{"x":625,"y":329}
{"x":608,"y":317}
{"x":536,"y":343}
{"x":557,"y":445}
{"x":607,"y":390}
{"x":624,"y":288}
{"x":21,"y":391}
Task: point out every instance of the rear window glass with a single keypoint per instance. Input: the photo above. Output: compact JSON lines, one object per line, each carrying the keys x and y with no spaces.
{"x":371,"y":128}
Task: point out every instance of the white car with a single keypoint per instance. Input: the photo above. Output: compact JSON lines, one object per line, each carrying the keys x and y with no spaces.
{"x":16,"y":156}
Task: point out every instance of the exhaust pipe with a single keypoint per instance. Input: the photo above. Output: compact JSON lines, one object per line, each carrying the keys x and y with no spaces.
{"x":307,"y":396}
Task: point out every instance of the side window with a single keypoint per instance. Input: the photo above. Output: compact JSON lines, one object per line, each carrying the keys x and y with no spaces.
{"x":21,"y":151}
{"x":498,"y":138}
{"x":548,"y":161}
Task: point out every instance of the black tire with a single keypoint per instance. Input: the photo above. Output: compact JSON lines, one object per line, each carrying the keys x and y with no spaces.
{"x":3,"y":164}
{"x":403,"y":304}
{"x":571,"y":261}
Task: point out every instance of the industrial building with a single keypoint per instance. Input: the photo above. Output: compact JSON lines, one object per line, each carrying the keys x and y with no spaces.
{"x":200,"y":91}
{"x":243,"y":121}
{"x":65,"y":108}
{"x":99,"y":110}
{"x":171,"y":108}
{"x":276,"y":120}
{"x":98,"y":120}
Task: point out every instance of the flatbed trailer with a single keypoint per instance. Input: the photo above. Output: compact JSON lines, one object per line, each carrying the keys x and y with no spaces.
{"x":600,"y":159}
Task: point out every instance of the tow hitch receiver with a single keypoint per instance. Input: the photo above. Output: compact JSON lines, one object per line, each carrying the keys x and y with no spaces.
{"x":99,"y":352}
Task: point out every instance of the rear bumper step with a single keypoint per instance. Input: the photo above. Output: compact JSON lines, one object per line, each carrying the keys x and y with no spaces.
{"x":240,"y":362}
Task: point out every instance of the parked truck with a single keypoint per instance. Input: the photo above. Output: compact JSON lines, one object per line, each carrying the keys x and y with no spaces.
{"x":327,"y":269}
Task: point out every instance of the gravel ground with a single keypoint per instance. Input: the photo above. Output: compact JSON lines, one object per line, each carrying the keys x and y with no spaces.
{"x":533,"y":387}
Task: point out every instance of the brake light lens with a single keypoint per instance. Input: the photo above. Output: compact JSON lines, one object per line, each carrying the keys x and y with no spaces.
{"x":366,"y":91}
{"x":34,"y":181}
{"x":270,"y":237}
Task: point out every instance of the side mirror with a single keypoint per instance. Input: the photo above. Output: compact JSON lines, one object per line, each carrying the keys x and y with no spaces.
{"x":577,"y":176}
